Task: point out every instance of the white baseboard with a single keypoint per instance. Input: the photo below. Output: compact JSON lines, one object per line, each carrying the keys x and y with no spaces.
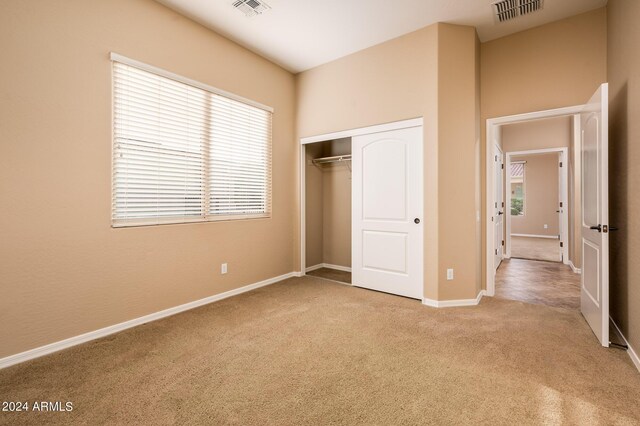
{"x":328,"y":265}
{"x":632,"y":354}
{"x":92,"y":335}
{"x":554,"y":237}
{"x":452,"y":303}
{"x":574,"y":269}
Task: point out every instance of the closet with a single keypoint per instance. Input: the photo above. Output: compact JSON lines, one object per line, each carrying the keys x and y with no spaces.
{"x":328,"y":209}
{"x":362,"y":207}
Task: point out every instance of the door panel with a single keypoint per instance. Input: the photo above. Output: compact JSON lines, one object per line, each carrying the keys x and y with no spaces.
{"x":499,"y":208}
{"x":387,"y":199}
{"x":594,"y":298}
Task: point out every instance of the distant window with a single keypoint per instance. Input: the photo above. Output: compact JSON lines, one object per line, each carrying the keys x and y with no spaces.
{"x":517,"y":189}
{"x":183,"y":152}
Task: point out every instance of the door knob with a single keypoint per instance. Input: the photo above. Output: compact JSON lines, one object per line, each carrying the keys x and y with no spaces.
{"x":596,"y":228}
{"x":416,"y":220}
{"x":499,"y":213}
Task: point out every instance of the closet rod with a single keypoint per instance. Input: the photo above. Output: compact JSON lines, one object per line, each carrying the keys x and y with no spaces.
{"x":335,"y":159}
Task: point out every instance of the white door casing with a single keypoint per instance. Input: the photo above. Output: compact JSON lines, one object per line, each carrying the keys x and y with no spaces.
{"x":594,"y":289}
{"x":387,"y":212}
{"x":499,"y":208}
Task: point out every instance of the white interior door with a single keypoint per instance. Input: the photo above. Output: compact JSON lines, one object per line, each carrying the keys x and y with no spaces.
{"x":387,"y":221}
{"x":499,"y":208}
{"x":595,"y":214}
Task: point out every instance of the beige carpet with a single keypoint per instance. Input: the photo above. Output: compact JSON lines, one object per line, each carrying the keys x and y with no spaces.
{"x":309,"y":351}
{"x":332,"y":274}
{"x":536,"y":248}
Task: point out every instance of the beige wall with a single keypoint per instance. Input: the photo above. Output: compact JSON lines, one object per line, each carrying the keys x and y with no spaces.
{"x":537,"y":134}
{"x":314,"y":206}
{"x":541,"y":196}
{"x":624,"y":151}
{"x":555,"y":65}
{"x":63,"y":269}
{"x":431,"y":73}
{"x":392,"y":81}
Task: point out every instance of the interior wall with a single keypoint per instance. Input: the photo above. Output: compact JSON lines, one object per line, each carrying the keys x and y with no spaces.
{"x":314,"y":206}
{"x":551,"y":66}
{"x":624,"y":173}
{"x":336,"y":202}
{"x":392,"y":81}
{"x":431,"y":73}
{"x":541,"y":194}
{"x":64,"y":270}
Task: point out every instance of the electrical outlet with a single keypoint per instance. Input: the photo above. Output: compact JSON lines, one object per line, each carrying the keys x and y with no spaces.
{"x":449,"y":274}
{"x":546,"y":226}
{"x":223,"y":268}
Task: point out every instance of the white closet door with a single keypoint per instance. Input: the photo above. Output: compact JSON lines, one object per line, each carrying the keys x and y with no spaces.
{"x":387,"y":212}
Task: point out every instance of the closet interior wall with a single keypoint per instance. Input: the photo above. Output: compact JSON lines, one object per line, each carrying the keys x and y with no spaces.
{"x":328,"y":205}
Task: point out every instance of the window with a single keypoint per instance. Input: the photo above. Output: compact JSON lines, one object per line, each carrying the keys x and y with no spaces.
{"x":517,"y":188}
{"x":185,"y":152}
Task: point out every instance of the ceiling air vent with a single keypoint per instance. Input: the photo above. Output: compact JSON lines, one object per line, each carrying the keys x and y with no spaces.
{"x":251,"y":7}
{"x":506,"y":10}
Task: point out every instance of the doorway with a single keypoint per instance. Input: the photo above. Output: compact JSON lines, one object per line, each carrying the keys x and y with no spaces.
{"x":537,"y":196}
{"x":384,"y":231}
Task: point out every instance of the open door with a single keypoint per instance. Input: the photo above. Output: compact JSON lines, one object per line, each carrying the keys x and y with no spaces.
{"x":595,"y":214}
{"x":499,"y":207}
{"x":387,"y":222}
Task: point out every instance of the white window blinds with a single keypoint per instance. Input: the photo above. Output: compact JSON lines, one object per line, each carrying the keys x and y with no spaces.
{"x":184,"y":153}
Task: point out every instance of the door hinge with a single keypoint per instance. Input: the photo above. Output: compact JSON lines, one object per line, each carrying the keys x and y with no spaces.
{"x":502,"y":166}
{"x":561,"y":244}
{"x":496,"y":252}
{"x":561,"y":164}
{"x":496,"y":204}
{"x":503,"y":204}
{"x":496,"y":159}
{"x":502,"y":243}
{"x":560,"y":203}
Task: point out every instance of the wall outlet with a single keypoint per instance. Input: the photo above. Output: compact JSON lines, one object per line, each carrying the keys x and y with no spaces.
{"x":449,"y":274}
{"x":546,"y":226}
{"x":223,"y":268}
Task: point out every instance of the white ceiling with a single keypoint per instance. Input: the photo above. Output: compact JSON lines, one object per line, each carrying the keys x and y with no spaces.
{"x":302,"y":34}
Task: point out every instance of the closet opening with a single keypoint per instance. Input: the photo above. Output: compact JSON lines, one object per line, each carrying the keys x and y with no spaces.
{"x":328,"y":209}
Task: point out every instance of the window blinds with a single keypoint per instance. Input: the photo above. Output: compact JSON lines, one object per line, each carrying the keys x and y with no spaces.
{"x":182,"y":153}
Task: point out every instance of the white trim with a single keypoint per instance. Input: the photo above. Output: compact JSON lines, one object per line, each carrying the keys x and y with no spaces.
{"x":106,"y":331}
{"x":553,"y":237}
{"x":452,"y":303}
{"x":492,"y":125}
{"x":574,"y":269}
{"x":396,"y":125}
{"x":168,"y":74}
{"x":337,"y":267}
{"x":314,"y":267}
{"x":632,"y":353}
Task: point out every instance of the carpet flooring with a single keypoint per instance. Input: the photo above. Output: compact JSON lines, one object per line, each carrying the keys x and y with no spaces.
{"x":307,"y":351}
{"x":332,"y":274}
{"x":536,"y":248}
{"x":544,"y":283}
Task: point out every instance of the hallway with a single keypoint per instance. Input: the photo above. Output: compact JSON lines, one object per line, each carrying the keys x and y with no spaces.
{"x":543,"y":283}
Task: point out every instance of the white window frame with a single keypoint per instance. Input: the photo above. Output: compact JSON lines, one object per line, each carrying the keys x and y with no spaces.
{"x":205,"y":217}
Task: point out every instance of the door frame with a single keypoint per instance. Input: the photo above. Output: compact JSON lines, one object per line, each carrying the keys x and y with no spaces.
{"x":492,"y":135}
{"x":497,"y":150}
{"x":563,"y":188}
{"x":378,"y":128}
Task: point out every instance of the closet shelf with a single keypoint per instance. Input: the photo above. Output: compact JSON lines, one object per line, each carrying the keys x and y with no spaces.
{"x":328,"y":160}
